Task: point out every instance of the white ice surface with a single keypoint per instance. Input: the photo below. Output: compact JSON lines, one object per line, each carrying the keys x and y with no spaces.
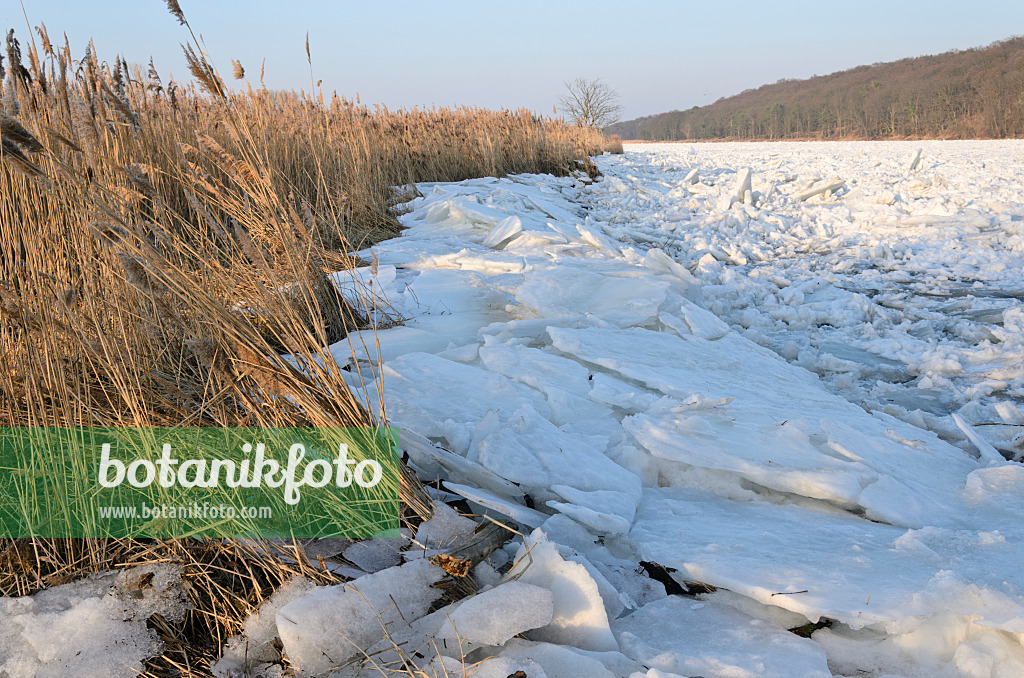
{"x":779,"y":373}
{"x":719,"y":642}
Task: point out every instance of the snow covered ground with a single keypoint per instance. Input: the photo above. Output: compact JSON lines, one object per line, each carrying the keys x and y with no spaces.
{"x":740,"y":362}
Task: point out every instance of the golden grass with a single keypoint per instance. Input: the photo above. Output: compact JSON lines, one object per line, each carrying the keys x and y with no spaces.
{"x":613,"y":144}
{"x":162,"y":244}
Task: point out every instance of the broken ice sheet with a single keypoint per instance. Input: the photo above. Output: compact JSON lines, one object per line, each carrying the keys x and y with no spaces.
{"x":691,"y":637}
{"x":422,"y":391}
{"x":827,"y":564}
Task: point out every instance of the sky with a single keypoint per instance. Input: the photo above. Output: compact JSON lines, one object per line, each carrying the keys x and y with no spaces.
{"x":658,"y":55}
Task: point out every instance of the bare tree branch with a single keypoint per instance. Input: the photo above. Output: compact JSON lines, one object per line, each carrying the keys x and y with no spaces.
{"x":591,"y":103}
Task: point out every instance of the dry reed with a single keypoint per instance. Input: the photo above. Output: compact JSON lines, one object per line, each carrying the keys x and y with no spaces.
{"x":163,"y":244}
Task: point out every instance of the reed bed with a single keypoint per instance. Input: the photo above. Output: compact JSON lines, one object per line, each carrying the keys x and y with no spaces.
{"x":163,"y":244}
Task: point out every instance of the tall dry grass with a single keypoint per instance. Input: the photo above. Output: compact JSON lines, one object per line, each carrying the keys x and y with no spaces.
{"x":162,"y":244}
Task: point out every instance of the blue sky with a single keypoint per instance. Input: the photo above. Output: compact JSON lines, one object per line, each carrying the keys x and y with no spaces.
{"x":658,"y":55}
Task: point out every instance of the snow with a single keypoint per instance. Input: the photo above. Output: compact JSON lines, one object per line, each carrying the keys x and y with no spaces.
{"x":92,"y":627}
{"x":793,"y":371}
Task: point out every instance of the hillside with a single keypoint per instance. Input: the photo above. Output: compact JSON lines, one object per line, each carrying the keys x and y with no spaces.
{"x":975,"y":93}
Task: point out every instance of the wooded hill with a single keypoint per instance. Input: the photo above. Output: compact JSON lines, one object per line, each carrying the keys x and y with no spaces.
{"x":975,"y":93}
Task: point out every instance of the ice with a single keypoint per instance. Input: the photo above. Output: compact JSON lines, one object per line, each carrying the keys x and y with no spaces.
{"x":579,"y":619}
{"x":573,"y":291}
{"x":422,"y":391}
{"x":534,"y":453}
{"x":517,"y":512}
{"x":985,"y":450}
{"x":254,"y":649}
{"x":536,"y":368}
{"x":702,"y":323}
{"x":776,"y":429}
{"x":444,"y":528}
{"x":503,"y":231}
{"x":739,"y":191}
{"x":658,"y":261}
{"x":385,"y":345}
{"x":373,"y":555}
{"x":828,"y":187}
{"x":492,"y":617}
{"x":915,"y":162}
{"x":452,"y":303}
{"x":780,"y":368}
{"x":830,"y":564}
{"x":605,"y":512}
{"x":96,"y":626}
{"x":559,"y":661}
{"x":592,"y":235}
{"x":503,"y":667}
{"x":688,"y":637}
{"x":613,"y":392}
{"x":335,"y":623}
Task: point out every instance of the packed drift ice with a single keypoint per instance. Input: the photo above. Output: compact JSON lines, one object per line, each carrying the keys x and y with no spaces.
{"x":788,"y":371}
{"x":753,"y":407}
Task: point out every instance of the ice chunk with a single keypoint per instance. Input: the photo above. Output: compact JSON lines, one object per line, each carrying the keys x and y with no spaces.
{"x":423,"y":454}
{"x":517,"y":512}
{"x":658,"y":261}
{"x":254,"y":647}
{"x":579,"y":617}
{"x":592,"y":234}
{"x":985,"y":450}
{"x":503,"y":667}
{"x":532,"y":452}
{"x":573,"y":291}
{"x":505,"y":229}
{"x":606,"y":512}
{"x":703,"y":323}
{"x":915,"y":162}
{"x":443,"y":528}
{"x":829,"y":187}
{"x":536,"y":368}
{"x":335,"y":623}
{"x":385,"y":345}
{"x":615,"y":393}
{"x":373,"y":555}
{"x":771,"y":433}
{"x":833,"y":564}
{"x":452,"y":303}
{"x":559,"y":661}
{"x":494,"y":616}
{"x":701,"y":638}
{"x":422,"y":391}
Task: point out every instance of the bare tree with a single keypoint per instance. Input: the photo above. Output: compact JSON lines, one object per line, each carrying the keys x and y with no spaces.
{"x":592,"y":103}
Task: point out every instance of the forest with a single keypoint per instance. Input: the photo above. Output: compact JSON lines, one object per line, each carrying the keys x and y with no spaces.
{"x":962,"y":94}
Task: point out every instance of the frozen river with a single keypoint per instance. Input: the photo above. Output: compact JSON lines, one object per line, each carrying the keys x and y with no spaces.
{"x":902,"y":288}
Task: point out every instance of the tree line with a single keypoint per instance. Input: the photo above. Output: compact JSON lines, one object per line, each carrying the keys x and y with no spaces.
{"x":975,"y":93}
